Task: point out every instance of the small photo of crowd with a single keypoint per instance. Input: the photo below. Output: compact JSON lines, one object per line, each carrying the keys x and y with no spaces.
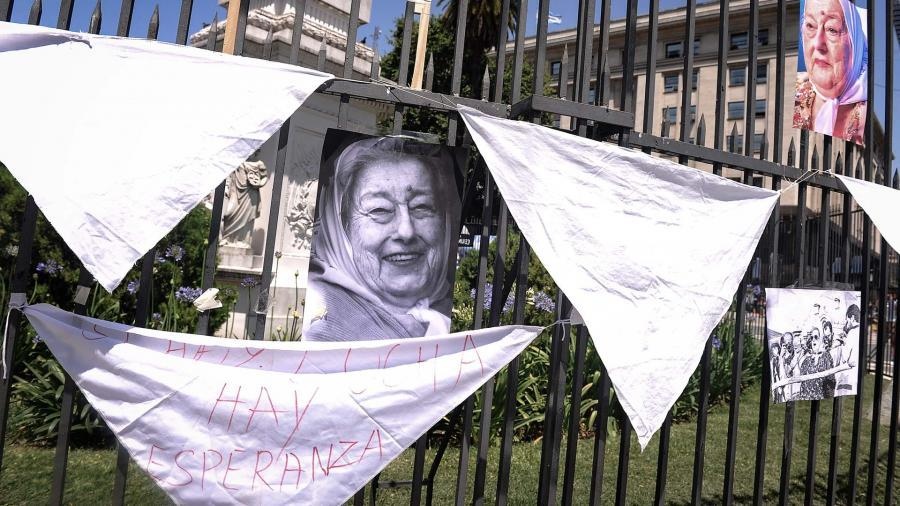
{"x":813,"y":340}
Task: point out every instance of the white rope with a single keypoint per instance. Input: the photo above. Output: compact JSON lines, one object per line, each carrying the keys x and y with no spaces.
{"x":17,"y":301}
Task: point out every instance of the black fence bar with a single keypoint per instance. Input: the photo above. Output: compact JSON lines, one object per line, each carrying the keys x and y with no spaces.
{"x":869,"y":158}
{"x":737,"y":360}
{"x":574,"y":416}
{"x":627,"y":103}
{"x":702,"y":415}
{"x":512,"y":377}
{"x":403,"y":70}
{"x":6,"y":7}
{"x":601,"y":432}
{"x":522,"y":260}
{"x":487,"y":391}
{"x":602,"y":52}
{"x":297,"y":31}
{"x":64,"y":20}
{"x":838,"y":406}
{"x":67,"y":403}
{"x":650,"y":76}
{"x":265,"y":290}
{"x":559,"y":354}
{"x":350,"y":52}
{"x":502,"y":39}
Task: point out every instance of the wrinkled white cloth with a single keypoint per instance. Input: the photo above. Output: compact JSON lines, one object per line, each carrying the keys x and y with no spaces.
{"x":117,"y":139}
{"x":223,"y":421}
{"x":648,"y":251}
{"x":881,"y":203}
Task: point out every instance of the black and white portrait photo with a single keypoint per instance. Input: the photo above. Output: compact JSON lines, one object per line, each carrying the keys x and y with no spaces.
{"x":384,"y":240}
{"x":813,"y":340}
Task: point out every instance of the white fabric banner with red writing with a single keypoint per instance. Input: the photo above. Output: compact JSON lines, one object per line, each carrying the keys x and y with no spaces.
{"x":222,"y":421}
{"x":650,"y":252}
{"x":118,"y":139}
{"x":881,"y":203}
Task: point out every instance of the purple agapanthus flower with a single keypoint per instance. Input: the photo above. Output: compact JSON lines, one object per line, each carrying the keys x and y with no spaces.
{"x":716,"y":343}
{"x":249,"y":281}
{"x":50,"y":268}
{"x":543,"y":302}
{"x":187,"y":294}
{"x":156,"y":317}
{"x":175,"y":252}
{"x":132,"y":287}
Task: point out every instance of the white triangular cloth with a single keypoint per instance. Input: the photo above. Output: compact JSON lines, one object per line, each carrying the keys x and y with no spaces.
{"x":221,"y":421}
{"x":118,"y":139}
{"x":648,"y":251}
{"x":881,"y":203}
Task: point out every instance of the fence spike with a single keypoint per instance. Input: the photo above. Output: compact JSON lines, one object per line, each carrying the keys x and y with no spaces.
{"x":815,"y":159}
{"x":764,"y":145}
{"x":323,"y":51}
{"x":485,"y":85}
{"x":267,"y":45}
{"x":792,"y":153}
{"x":34,"y":16}
{"x":96,"y":19}
{"x":839,"y":164}
{"x":732,"y":143}
{"x":664,"y":128}
{"x":701,"y":132}
{"x":897,"y":180}
{"x":376,"y":67}
{"x":153,"y":27}
{"x":279,"y":7}
{"x":859,"y":171}
{"x":563,"y":88}
{"x":429,"y":73}
{"x":213,"y":33}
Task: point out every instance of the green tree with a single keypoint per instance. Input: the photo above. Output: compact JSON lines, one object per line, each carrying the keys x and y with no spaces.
{"x":483,"y":28}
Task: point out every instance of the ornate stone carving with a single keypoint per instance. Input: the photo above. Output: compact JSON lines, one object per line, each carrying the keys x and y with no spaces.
{"x":301,"y":214}
{"x":242,"y":202}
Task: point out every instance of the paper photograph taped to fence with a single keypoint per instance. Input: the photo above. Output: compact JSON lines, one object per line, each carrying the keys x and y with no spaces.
{"x":832,"y":70}
{"x":813,"y":339}
{"x":385,"y":239}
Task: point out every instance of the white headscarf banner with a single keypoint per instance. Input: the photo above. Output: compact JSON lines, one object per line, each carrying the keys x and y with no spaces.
{"x":881,"y":203}
{"x":218,"y":421}
{"x":118,"y":139}
{"x":648,"y":251}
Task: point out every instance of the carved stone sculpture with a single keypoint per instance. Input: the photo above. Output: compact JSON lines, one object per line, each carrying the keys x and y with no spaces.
{"x":301,"y":214}
{"x":242,"y":202}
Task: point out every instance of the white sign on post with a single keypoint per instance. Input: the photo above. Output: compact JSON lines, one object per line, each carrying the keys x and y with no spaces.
{"x":218,"y":421}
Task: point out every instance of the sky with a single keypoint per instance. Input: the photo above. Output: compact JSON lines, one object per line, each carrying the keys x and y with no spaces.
{"x":383,"y":16}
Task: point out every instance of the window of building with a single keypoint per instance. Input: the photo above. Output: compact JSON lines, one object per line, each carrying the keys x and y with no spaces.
{"x":673,"y":50}
{"x":693,"y":113}
{"x":736,"y":144}
{"x":696,"y":46}
{"x":757,"y":142}
{"x":670,"y":114}
{"x":762,"y":73}
{"x":735,"y":110}
{"x":555,"y":68}
{"x":694,"y":78}
{"x":739,"y":40}
{"x":670,"y":83}
{"x":737,"y":76}
{"x":760,"y":107}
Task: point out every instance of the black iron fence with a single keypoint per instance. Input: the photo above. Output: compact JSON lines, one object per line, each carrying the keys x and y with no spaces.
{"x":817,"y":235}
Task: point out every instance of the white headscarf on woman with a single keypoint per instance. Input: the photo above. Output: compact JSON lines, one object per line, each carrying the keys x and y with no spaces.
{"x":855,"y":89}
{"x":332,"y":250}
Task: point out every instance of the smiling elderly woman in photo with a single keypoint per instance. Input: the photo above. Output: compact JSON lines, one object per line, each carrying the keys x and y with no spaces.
{"x":387,"y":224}
{"x":831,"y":95}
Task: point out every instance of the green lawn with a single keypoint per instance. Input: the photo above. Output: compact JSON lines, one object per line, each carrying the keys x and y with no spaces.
{"x":26,"y":471}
